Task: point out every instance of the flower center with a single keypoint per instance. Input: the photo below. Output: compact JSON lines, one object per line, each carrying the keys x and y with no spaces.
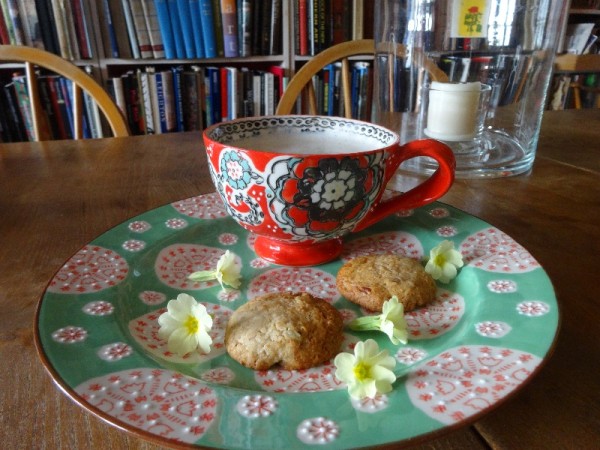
{"x":440,"y":260}
{"x":191,"y":325}
{"x":361,"y":371}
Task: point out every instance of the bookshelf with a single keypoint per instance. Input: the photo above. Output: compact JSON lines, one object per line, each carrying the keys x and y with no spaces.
{"x":118,"y":41}
{"x":576,"y":81}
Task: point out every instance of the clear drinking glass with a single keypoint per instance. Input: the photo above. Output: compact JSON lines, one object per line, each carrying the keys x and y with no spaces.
{"x":506,"y":45}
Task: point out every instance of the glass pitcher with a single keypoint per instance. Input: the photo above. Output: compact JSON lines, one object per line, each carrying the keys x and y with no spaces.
{"x":471,"y":73}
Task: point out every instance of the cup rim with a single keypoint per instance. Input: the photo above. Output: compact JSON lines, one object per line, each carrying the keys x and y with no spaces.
{"x":395,"y":137}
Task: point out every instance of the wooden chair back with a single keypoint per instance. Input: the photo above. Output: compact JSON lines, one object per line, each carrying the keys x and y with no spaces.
{"x":82,"y":82}
{"x":339,"y":52}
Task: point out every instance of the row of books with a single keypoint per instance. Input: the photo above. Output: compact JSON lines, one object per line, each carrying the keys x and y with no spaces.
{"x":191,"y":29}
{"x":582,"y":38}
{"x":320,"y":24}
{"x":56,"y":96}
{"x":328,"y":91}
{"x":574,"y":91}
{"x":191,"y":98}
{"x":59,"y":26}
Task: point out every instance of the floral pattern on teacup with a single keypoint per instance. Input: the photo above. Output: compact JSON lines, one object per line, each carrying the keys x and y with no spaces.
{"x":323,"y":200}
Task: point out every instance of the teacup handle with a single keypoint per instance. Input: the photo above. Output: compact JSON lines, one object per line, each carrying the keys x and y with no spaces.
{"x":428,"y":191}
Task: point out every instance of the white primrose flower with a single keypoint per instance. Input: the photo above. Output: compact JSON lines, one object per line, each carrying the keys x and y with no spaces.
{"x":444,"y":262}
{"x":367,"y":372}
{"x":391,"y":321}
{"x":227,"y":272}
{"x":185,"y":326}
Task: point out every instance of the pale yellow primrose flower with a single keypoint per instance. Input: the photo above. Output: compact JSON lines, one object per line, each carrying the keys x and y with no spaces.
{"x":391,"y":321}
{"x":185,"y":326}
{"x":227,"y":272}
{"x":367,"y":372}
{"x":444,"y":262}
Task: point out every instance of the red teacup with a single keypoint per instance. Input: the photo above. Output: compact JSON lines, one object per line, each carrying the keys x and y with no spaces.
{"x":300,"y":183}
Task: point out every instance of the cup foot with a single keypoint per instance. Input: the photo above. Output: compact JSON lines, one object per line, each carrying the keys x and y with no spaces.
{"x":298,"y":253}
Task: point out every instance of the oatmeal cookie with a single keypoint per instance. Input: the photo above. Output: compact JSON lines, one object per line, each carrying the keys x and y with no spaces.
{"x":371,"y":280}
{"x":294,"y":330}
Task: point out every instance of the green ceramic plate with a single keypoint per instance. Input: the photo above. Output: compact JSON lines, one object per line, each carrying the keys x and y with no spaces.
{"x":97,"y":334}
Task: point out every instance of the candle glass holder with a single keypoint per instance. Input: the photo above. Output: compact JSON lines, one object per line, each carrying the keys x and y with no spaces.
{"x":430,"y":58}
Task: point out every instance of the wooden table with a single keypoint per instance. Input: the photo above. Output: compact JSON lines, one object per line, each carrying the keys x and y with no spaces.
{"x":57,"y":196}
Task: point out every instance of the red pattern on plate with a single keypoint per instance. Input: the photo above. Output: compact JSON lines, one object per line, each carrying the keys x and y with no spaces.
{"x":436,"y":318}
{"x":397,"y":242}
{"x":463,"y":381}
{"x":144,"y":330}
{"x":295,"y":279}
{"x":316,"y":379}
{"x":176,"y":262}
{"x":91,"y":269}
{"x":162,"y":402}
{"x":494,"y":251}
{"x":209,"y":206}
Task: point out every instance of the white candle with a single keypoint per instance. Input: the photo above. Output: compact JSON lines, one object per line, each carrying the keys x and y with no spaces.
{"x":453,"y":109}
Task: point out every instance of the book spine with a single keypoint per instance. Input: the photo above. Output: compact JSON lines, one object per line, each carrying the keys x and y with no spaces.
{"x":265,"y":30}
{"x":357,"y":22}
{"x":46,"y":102}
{"x":169,"y":101}
{"x":69,"y":19}
{"x":119,"y":94}
{"x":24,"y":106}
{"x":208,"y":28}
{"x":4,"y":37}
{"x":146,"y":101}
{"x":132,"y":102}
{"x":245,"y":33}
{"x":269,"y":97}
{"x":10,"y":30}
{"x":201,"y":83}
{"x":310,"y":26}
{"x":119,"y":26}
{"x":280,"y":80}
{"x":92,"y":116}
{"x":185,"y":25}
{"x":60,"y":108}
{"x":47,"y":29}
{"x":17,"y":24}
{"x":166,"y":31}
{"x":208,"y":97}
{"x":257,"y":27}
{"x":133,"y":41}
{"x":141,"y":29}
{"x":247,"y":104}
{"x":232,"y":93}
{"x":224,"y":94}
{"x":196,"y":25}
{"x":160,"y":96}
{"x":31,"y":24}
{"x":154,"y":100}
{"x":177,"y":73}
{"x":275,"y":36}
{"x":320,"y":26}
{"x":66,"y":89}
{"x":191,"y":107}
{"x":177,"y":29}
{"x":153,"y":26}
{"x":218,"y":24}
{"x":214,"y":83}
{"x":337,"y":21}
{"x":81,"y":32}
{"x":302,"y":25}
{"x":230,"y":31}
{"x":16,"y":120}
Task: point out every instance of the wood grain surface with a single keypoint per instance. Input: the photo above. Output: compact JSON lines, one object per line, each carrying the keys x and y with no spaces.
{"x":57,"y":196}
